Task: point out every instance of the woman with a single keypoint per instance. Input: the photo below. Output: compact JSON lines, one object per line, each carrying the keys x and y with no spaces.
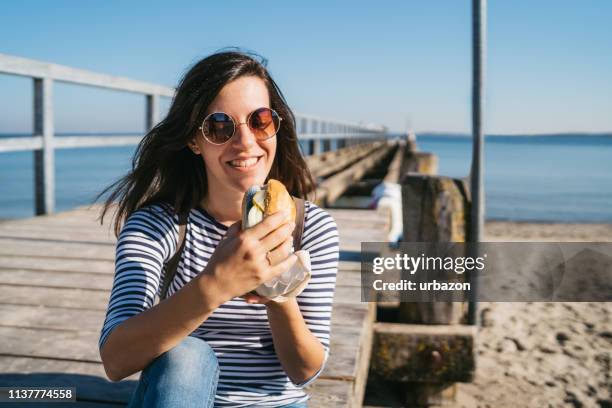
{"x":211,"y":342}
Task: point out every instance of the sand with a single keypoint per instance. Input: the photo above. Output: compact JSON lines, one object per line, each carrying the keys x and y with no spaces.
{"x":543,"y":354}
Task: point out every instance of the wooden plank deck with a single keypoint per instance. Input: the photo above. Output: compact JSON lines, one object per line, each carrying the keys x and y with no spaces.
{"x":56,"y":273}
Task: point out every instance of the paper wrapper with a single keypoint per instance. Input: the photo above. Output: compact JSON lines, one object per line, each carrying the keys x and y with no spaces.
{"x":289,"y":284}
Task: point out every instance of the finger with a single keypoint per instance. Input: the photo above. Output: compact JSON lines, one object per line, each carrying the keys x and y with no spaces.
{"x":249,"y":298}
{"x":233,"y":230}
{"x":283,"y":265}
{"x":254,"y":299}
{"x":281,"y":252}
{"x":269,"y":224}
{"x":235,"y":227}
{"x":277,"y":237}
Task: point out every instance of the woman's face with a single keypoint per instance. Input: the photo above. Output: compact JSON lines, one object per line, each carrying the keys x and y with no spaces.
{"x":225,"y":164}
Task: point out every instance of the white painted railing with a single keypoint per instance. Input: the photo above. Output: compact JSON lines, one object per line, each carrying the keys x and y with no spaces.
{"x":319,"y":132}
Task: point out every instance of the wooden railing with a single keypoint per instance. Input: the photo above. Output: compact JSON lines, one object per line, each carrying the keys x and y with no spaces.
{"x":318,"y":132}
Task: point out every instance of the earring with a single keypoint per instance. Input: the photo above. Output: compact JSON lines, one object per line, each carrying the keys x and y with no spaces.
{"x":194,"y":149}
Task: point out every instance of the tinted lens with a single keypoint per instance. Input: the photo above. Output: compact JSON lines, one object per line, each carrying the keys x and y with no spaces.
{"x":218,"y":127}
{"x":264,"y":123}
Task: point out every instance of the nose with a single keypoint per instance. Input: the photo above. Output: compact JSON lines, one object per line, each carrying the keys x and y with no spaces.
{"x":244,"y":136}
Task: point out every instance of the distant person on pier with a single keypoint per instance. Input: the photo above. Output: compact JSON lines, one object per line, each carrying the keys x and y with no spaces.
{"x":210,"y":342}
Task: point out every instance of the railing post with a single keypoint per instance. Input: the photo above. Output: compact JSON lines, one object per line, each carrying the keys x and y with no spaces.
{"x":44,"y":166}
{"x":152,"y":112}
{"x":316,"y":145}
{"x":326,"y":141}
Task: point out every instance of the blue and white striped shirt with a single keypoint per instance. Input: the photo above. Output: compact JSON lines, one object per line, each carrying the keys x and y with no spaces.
{"x":239,"y":333}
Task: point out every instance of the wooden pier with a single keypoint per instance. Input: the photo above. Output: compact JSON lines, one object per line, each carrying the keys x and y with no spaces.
{"x":56,"y":270}
{"x":56,"y":273}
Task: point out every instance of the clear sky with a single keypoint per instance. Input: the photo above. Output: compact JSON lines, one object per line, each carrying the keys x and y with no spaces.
{"x":390,"y":62}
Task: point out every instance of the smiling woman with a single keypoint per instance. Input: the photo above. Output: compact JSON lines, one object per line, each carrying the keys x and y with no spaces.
{"x":209,"y":341}
{"x":237,"y":154}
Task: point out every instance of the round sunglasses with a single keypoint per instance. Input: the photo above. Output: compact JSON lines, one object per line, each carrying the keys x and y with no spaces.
{"x":219,"y":127}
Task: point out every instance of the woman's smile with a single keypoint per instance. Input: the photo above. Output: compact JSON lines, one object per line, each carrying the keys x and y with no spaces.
{"x":245,"y":164}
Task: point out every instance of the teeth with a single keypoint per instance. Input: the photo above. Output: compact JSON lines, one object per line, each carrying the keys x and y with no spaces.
{"x":244,"y":163}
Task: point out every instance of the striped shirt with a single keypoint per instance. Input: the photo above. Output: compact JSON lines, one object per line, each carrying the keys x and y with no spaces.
{"x":239,"y":333}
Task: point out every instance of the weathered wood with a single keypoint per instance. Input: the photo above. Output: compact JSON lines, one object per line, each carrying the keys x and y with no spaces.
{"x":52,"y":318}
{"x":395,"y":167}
{"x":86,"y":268}
{"x":45,"y":343}
{"x":69,"y":295}
{"x":423,"y":353}
{"x":55,"y":301}
{"x":330,"y":393}
{"x":364,"y":356}
{"x":64,"y":250}
{"x":435,"y":209}
{"x":80,"y":237}
{"x":88,"y":378}
{"x":58,"y":297}
{"x":57,"y":279}
{"x":79,"y":319}
{"x":419,"y":162}
{"x":326,"y":163}
{"x":78,"y":346}
{"x":331,"y":188}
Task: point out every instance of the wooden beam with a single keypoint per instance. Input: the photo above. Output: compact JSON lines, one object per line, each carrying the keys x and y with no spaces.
{"x":394,"y":169}
{"x":423,"y":353}
{"x":331,"y":162}
{"x":333,"y":187}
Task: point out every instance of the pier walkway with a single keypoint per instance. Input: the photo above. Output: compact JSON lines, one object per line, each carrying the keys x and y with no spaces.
{"x":56,"y":273}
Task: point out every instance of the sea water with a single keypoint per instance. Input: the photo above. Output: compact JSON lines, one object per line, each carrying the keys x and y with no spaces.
{"x":528,"y":178}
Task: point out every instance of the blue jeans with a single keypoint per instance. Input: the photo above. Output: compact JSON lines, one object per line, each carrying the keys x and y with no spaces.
{"x":183,"y":377}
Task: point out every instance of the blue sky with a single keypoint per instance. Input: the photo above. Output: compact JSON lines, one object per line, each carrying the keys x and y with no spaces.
{"x":549,"y":64}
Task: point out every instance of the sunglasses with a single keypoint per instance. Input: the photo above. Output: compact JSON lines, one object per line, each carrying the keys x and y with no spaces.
{"x":219,"y":127}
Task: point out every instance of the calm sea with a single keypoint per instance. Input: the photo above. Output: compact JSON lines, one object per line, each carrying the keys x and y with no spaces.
{"x":530,"y":178}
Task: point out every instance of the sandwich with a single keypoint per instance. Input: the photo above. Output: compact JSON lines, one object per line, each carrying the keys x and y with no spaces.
{"x":258,"y":203}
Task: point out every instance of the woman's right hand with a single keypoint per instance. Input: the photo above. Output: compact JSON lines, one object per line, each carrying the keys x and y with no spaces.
{"x":239,"y":263}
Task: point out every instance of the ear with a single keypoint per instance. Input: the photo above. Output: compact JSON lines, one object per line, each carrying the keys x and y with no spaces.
{"x":193,"y":146}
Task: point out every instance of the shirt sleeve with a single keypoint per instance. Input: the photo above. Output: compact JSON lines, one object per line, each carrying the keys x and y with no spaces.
{"x":320,"y":238}
{"x":146,"y":241}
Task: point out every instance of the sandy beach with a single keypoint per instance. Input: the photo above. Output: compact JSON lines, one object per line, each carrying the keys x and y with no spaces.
{"x":543,"y":354}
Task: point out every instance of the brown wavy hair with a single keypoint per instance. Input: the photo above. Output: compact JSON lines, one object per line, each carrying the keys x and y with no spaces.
{"x":165,"y":170}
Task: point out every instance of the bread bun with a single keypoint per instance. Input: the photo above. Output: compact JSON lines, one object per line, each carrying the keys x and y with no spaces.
{"x":277,"y":198}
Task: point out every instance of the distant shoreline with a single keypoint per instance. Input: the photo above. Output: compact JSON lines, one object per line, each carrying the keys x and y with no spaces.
{"x":546,"y":222}
{"x":418,"y":134}
{"x":518,"y":135}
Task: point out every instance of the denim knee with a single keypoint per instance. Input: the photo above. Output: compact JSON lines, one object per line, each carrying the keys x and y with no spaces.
{"x":192,"y":358}
{"x":184,"y":376}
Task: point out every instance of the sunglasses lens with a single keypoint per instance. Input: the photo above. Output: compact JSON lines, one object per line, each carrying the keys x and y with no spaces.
{"x":264,"y":123}
{"x":218,"y":127}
